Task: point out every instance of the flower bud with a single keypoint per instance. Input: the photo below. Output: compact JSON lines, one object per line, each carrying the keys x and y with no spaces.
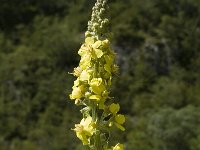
{"x":105,"y":93}
{"x":87,"y":94}
{"x":114,"y":108}
{"x":115,"y":69}
{"x":95,"y":25}
{"x":100,"y":20}
{"x":106,"y":43}
{"x":77,"y":71}
{"x":120,"y":119}
{"x":87,"y":34}
{"x":77,"y":102}
{"x":102,"y":10}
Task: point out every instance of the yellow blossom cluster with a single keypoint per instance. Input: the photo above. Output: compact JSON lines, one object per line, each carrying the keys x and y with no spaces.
{"x":94,"y":73}
{"x":85,"y":129}
{"x":91,"y":88}
{"x":94,"y":76}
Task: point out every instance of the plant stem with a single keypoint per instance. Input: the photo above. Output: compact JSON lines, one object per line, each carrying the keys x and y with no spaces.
{"x":94,"y":115}
{"x":98,"y":141}
{"x":95,"y":118}
{"x":97,"y":138}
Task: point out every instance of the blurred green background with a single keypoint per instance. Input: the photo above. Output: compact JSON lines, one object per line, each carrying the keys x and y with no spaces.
{"x":158,"y":48}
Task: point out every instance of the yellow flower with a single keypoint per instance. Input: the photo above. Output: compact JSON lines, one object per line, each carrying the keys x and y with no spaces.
{"x":85,"y":61}
{"x":89,"y":40}
{"x":106,"y":43}
{"x":83,"y":50}
{"x":85,"y":75}
{"x":88,"y":125}
{"x":97,"y":85}
{"x":77,"y":92}
{"x":114,"y":108}
{"x":95,"y":97}
{"x":119,"y":120}
{"x":96,"y":82}
{"x":98,"y":53}
{"x":76,"y":82}
{"x":97,"y":48}
{"x":97,"y":44}
{"x":92,"y":49}
{"x":85,"y":130}
{"x":77,"y":71}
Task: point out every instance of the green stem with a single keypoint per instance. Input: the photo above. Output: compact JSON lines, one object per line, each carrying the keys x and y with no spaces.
{"x":98,"y":141}
{"x":94,"y":115}
{"x":95,"y":118}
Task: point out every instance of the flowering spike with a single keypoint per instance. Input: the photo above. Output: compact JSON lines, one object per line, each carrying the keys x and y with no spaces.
{"x":91,"y":88}
{"x":98,"y":25}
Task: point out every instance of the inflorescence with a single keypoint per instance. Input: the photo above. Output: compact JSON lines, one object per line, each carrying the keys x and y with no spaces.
{"x":91,"y":88}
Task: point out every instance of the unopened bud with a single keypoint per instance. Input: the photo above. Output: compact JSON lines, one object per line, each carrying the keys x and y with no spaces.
{"x":100,"y":20}
{"x":102,"y":10}
{"x":77,"y":71}
{"x":106,"y":43}
{"x":87,"y":34}
{"x":106,"y":21}
{"x":95,"y":25}
{"x":77,"y":102}
{"x":115,"y":69}
{"x":87,"y":94}
{"x":105,"y":94}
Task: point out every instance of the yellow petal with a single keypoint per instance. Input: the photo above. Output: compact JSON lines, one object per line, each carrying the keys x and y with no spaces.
{"x":86,"y":121}
{"x":83,"y":50}
{"x":98,"y":89}
{"x":97,"y":44}
{"x":114,"y":108}
{"x":76,"y":82}
{"x":84,"y":75}
{"x":96,"y":82}
{"x":95,"y":97}
{"x":89,"y":130}
{"x":97,"y":85}
{"x":76,"y":93}
{"x":120,"y":118}
{"x":83,"y":138}
{"x":85,"y":61}
{"x":106,"y":43}
{"x":77,"y":71}
{"x":89,"y":40}
{"x":98,"y":53}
